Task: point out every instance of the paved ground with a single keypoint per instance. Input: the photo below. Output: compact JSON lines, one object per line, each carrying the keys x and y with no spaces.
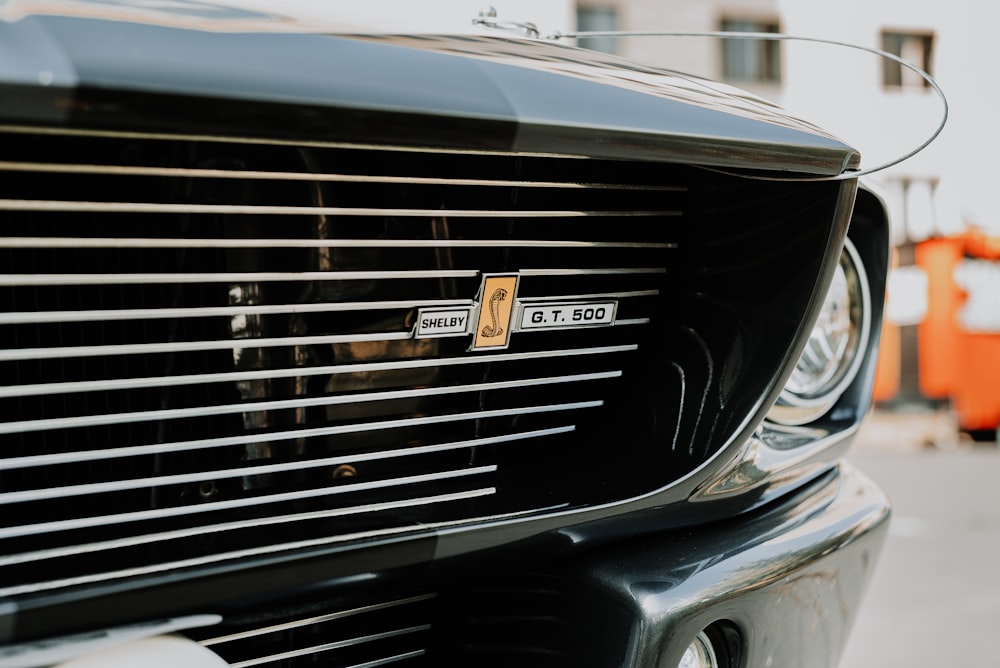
{"x":935,"y":597}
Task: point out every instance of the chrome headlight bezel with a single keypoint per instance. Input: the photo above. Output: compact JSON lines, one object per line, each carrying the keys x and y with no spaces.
{"x":824,"y":371}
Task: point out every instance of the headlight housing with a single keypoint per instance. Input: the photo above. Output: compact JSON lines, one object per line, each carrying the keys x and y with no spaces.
{"x":835,"y":350}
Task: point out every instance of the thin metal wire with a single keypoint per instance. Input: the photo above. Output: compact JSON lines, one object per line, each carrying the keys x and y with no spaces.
{"x":767,"y":36}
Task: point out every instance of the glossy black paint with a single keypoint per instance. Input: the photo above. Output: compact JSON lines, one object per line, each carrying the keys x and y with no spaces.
{"x":788,"y":580}
{"x":312,"y":85}
{"x":456,"y":93}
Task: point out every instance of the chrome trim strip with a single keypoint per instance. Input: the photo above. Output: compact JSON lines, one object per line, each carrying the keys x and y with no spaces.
{"x":261,"y":141}
{"x":48,"y":493}
{"x":66,"y":206}
{"x":389,"y":659}
{"x":17,"y":590}
{"x":340,"y":644}
{"x":593,"y":271}
{"x":316,"y":620}
{"x":17,"y":354}
{"x":145,"y":539}
{"x":70,"y":387}
{"x":160,"y":513}
{"x":632,"y":321}
{"x":180,"y":172}
{"x":136,"y":242}
{"x":272,"y":437}
{"x":114,"y":453}
{"x":78,"y":421}
{"x":558,"y":298}
{"x":41,"y":317}
{"x":36,"y":280}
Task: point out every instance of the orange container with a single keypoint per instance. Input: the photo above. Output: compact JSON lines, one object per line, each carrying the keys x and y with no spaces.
{"x":955,"y":363}
{"x":976,"y":397}
{"x":887,"y":371}
{"x":938,"y":336}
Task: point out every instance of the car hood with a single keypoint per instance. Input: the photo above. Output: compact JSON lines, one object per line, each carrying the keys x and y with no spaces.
{"x":546,"y":97}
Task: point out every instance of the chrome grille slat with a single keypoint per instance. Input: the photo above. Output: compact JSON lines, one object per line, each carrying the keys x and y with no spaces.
{"x":194,"y":342}
{"x":106,"y":520}
{"x":593,"y":272}
{"x":39,"y":317}
{"x":271,"y":437}
{"x":62,"y":206}
{"x":145,"y":539}
{"x":315,"y":620}
{"x":82,"y":421}
{"x":237,"y":376}
{"x":175,"y":172}
{"x":12,"y":463}
{"x":92,"y":242}
{"x":331,"y":646}
{"x":251,"y":644}
{"x":14,"y":354}
{"x":8,"y":498}
{"x":389,"y":660}
{"x":268,"y":141}
{"x":253,"y":552}
{"x":36,"y":280}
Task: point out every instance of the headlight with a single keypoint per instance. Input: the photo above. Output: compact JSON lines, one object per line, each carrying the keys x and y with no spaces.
{"x":699,"y":654}
{"x":835,"y":349}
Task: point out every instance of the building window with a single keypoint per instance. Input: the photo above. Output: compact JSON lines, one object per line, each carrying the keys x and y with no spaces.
{"x":913,"y":47}
{"x":597,"y":19}
{"x":749,"y":59}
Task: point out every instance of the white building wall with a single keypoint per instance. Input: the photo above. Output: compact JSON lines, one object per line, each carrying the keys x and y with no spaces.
{"x":954,"y":181}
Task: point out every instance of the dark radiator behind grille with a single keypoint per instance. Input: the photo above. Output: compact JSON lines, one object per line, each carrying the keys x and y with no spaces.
{"x":206,"y":346}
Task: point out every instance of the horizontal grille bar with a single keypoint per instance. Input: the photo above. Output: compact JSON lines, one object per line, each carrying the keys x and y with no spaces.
{"x":189,"y":346}
{"x":309,"y":177}
{"x":389,"y":659}
{"x":60,"y":206}
{"x":14,"y":280}
{"x":40,"y":317}
{"x":268,"y":277}
{"x":275,"y":142}
{"x":138,"y":483}
{"x":145,"y":539}
{"x":315,"y":620}
{"x":81,"y":421}
{"x":120,"y":242}
{"x":202,"y":444}
{"x":299,"y":372}
{"x":332,"y":646}
{"x":254,"y":552}
{"x":160,"y":513}
{"x":326,"y":630}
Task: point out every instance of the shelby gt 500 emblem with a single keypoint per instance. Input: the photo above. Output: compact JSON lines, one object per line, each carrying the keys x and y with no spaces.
{"x":499,"y":312}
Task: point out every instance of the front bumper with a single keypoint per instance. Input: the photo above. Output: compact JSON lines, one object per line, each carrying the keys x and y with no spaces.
{"x":786,"y":585}
{"x":781,"y":587}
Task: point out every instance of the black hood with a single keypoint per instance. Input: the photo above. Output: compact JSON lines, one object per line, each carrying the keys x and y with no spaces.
{"x":536,"y":96}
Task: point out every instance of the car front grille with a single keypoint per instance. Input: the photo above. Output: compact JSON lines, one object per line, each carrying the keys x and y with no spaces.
{"x":208,"y":354}
{"x":205,"y":343}
{"x":394,"y":632}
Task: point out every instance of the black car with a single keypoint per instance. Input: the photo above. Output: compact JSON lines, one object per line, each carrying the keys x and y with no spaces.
{"x":325,"y":349}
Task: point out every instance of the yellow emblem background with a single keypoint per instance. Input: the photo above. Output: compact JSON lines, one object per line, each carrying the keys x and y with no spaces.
{"x":497,"y":301}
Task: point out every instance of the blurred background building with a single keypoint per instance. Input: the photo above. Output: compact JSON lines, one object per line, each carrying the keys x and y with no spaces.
{"x":942,"y":345}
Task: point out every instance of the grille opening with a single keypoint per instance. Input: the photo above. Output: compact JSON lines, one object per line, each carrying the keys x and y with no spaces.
{"x":187,"y":327}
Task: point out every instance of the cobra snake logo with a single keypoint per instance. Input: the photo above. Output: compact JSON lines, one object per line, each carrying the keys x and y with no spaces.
{"x":490,"y":331}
